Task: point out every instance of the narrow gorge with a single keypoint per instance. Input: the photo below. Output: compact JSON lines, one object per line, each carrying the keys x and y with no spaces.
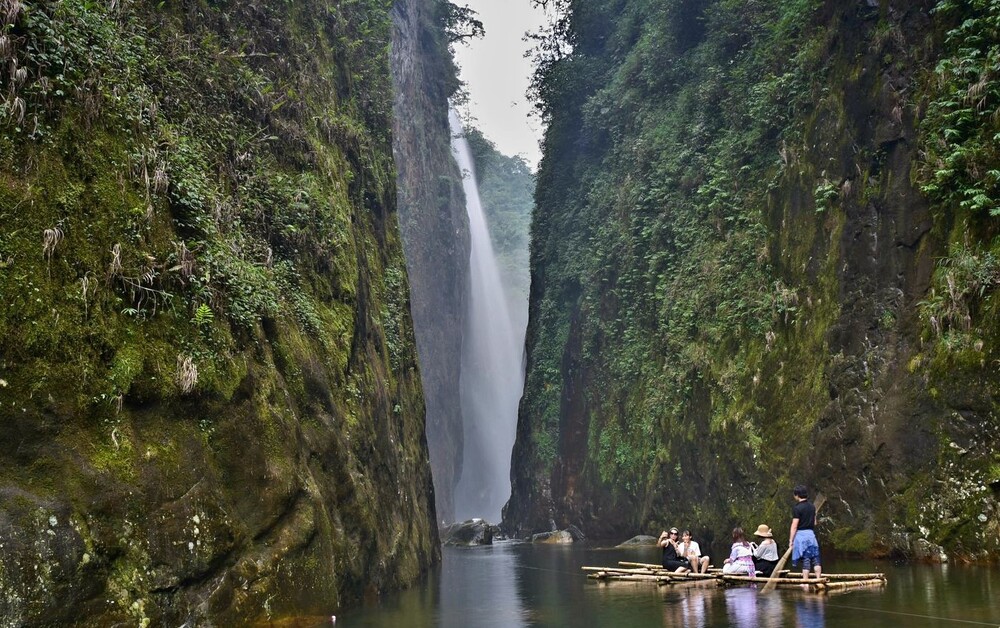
{"x":269,"y":323}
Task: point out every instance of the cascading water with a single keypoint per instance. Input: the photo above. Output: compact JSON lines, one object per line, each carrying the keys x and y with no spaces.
{"x":492,"y":376}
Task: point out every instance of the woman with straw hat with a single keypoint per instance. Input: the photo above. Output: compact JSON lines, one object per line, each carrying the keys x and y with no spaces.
{"x":765,"y":555}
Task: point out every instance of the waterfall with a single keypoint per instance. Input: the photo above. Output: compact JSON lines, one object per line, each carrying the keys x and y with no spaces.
{"x":492,"y":375}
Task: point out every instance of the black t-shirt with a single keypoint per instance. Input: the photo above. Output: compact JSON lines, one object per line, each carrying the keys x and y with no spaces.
{"x":805,"y":512}
{"x":670,"y":552}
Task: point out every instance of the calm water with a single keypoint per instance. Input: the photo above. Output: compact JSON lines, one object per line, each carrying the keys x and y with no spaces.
{"x":514,"y":585}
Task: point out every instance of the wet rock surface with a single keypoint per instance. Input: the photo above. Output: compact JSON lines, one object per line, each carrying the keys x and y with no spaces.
{"x":640,"y":540}
{"x":572,"y":534}
{"x":469,"y":533}
{"x":434,"y":228}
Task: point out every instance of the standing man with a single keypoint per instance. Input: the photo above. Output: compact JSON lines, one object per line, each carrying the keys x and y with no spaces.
{"x":801,"y":534}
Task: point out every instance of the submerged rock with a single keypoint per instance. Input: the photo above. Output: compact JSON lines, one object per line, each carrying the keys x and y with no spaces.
{"x":639,"y":540}
{"x":556,"y":537}
{"x":469,"y":533}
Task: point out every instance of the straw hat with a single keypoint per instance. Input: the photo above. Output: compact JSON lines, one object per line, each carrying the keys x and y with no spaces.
{"x":764,"y":531}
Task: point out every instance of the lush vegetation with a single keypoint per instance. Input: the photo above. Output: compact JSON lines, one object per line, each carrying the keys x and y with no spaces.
{"x":649,"y":228}
{"x":205,"y":312}
{"x":720,"y":301}
{"x":214,"y":214}
{"x":960,"y":172}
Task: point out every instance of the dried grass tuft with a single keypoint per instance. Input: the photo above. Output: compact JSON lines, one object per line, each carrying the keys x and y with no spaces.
{"x":115,"y":266}
{"x":50,"y":240}
{"x":187,"y":373}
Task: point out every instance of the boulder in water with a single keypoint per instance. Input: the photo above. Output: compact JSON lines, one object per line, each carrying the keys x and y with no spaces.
{"x":576,"y":533}
{"x":639,"y":541}
{"x":927,"y":551}
{"x":556,"y":537}
{"x":468,"y":533}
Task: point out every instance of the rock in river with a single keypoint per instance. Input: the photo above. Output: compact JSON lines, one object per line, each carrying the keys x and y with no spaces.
{"x":468,"y":533}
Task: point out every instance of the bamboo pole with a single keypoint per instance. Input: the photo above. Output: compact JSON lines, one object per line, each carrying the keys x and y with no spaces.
{"x":694,"y":576}
{"x":813,"y":588}
{"x":812,"y":581}
{"x":844,"y":576}
{"x":629,"y":572}
{"x":625,"y":563}
{"x":847,"y":584}
{"x":603,"y":573}
{"x":629,"y":578}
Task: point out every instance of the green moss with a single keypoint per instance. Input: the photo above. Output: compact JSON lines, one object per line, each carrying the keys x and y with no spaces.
{"x":848,"y":540}
{"x":115,"y":453}
{"x":125,"y":367}
{"x":217,"y":226}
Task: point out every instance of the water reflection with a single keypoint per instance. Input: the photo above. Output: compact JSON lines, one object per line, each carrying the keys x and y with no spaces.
{"x":691,"y":611}
{"x":741,"y":607}
{"x":481,"y":583}
{"x":515,"y":585}
{"x":809,"y":612}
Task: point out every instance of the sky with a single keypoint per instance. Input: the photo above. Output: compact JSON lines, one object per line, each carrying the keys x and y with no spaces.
{"x":497,"y":74}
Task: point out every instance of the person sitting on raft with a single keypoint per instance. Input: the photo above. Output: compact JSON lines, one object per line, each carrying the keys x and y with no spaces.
{"x":740,"y":561}
{"x":690,"y":550}
{"x":765,"y":555}
{"x":672,"y":558}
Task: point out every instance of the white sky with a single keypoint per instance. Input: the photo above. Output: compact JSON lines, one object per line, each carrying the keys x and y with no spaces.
{"x":497,"y":74}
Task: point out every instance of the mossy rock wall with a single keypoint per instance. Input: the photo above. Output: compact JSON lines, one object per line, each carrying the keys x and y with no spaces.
{"x":209,"y":399}
{"x":737,"y":273}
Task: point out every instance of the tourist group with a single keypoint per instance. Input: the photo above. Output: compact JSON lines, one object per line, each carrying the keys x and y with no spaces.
{"x":682,"y":554}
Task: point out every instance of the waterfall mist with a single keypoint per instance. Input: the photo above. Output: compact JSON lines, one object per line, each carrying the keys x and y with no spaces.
{"x":492,"y":374}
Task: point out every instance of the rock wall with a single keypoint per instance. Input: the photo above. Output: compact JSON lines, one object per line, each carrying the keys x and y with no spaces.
{"x":434,"y":225}
{"x":737,"y":277}
{"x":210,"y":407}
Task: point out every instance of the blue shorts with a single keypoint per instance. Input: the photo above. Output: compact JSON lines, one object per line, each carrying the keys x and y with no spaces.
{"x":806,"y":549}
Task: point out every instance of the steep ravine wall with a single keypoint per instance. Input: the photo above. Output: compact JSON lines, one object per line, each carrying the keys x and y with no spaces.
{"x":210,"y":409}
{"x":434,"y":226}
{"x":737,"y":280}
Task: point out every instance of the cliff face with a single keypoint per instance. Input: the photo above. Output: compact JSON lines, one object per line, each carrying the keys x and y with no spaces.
{"x":211,"y":410}
{"x":434,"y":225}
{"x":745,"y":245}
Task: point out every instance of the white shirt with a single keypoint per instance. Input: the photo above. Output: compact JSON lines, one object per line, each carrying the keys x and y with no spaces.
{"x":690,"y":548}
{"x":766,"y":551}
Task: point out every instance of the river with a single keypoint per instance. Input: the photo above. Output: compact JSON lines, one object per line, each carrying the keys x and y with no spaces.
{"x":517,"y":584}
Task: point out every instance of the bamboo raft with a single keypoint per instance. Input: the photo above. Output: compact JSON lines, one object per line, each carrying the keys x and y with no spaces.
{"x":652,"y":573}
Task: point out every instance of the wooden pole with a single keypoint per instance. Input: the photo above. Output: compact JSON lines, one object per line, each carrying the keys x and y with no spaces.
{"x":844,"y":576}
{"x":629,"y":578}
{"x":820,"y":500}
{"x":849,"y":584}
{"x":622,"y":570}
{"x":694,"y":576}
{"x":625,"y":563}
{"x":775,"y":580}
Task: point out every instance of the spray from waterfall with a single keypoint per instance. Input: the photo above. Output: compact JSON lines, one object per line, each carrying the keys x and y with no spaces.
{"x":492,"y":375}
